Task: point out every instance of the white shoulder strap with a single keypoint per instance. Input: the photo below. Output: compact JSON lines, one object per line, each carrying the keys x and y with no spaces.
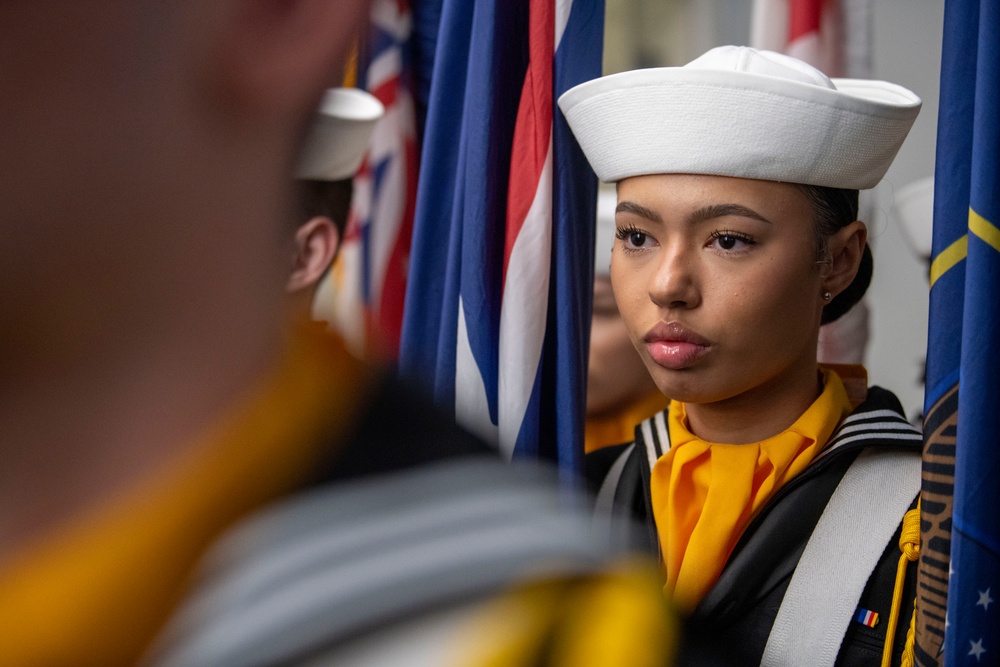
{"x":604,"y":506}
{"x":850,"y":537}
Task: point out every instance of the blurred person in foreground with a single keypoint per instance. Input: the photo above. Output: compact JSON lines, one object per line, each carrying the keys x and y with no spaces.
{"x":155,"y":413}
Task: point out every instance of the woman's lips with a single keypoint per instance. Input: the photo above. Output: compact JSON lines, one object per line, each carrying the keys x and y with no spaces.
{"x":674,"y":346}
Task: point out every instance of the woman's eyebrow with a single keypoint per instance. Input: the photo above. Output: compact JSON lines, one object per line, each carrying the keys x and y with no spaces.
{"x":704,"y":213}
{"x":636,"y":209}
{"x":722,"y":210}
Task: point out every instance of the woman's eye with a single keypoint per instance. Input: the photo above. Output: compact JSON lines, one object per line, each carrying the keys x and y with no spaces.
{"x":725,"y":240}
{"x":633,"y":239}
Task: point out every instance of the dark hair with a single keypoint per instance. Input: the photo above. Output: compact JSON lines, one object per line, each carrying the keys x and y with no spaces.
{"x":329,"y":198}
{"x":834,"y":208}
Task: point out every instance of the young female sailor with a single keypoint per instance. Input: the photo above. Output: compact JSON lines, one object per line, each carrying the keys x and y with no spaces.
{"x":774,"y":489}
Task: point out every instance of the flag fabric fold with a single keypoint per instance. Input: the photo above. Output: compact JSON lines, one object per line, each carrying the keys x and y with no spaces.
{"x":810,"y":30}
{"x":831,"y":35}
{"x":959,"y":574}
{"x":497,"y":320}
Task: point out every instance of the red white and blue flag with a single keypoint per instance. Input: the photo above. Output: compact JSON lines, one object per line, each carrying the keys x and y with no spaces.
{"x":497,"y":318}
{"x":364,"y":295}
{"x":833,"y":36}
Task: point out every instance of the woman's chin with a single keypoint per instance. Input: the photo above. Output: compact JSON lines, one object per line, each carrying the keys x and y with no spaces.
{"x":688,"y":387}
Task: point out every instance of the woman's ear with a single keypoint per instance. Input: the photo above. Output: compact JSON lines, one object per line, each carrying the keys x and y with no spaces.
{"x":315,"y":246}
{"x":845,"y":248}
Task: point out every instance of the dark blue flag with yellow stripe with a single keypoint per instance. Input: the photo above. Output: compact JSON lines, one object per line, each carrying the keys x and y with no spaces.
{"x":958,"y":616}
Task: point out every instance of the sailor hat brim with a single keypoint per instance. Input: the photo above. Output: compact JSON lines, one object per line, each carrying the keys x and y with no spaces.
{"x":741,"y":112}
{"x":338,"y":139}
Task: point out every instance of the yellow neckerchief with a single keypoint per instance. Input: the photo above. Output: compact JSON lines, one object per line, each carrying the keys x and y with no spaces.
{"x":95,"y":591}
{"x":619,"y":426}
{"x":703,"y":494}
{"x":612,"y":617}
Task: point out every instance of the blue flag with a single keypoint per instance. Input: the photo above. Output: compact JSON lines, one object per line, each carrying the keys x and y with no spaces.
{"x":959,"y":576}
{"x":497,"y":318}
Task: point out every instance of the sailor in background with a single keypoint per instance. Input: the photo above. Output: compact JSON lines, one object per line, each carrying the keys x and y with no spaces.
{"x":620,"y":392}
{"x":332,"y":155}
{"x":779,"y":493}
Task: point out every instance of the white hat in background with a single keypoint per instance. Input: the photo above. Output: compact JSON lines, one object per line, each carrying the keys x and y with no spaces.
{"x":338,"y":140}
{"x":914,"y":211}
{"x":738,"y":111}
{"x":604,"y":233}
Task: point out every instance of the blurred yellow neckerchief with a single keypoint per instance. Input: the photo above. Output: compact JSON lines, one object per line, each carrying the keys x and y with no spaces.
{"x":619,"y":427}
{"x":95,"y":591}
{"x":613,"y":617}
{"x":703,"y":494}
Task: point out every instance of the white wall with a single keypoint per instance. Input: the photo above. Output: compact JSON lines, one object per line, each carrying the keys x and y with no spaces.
{"x":907,"y":51}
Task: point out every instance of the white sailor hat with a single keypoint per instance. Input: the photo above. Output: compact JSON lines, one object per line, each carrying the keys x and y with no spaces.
{"x":339,"y":137}
{"x":738,"y":111}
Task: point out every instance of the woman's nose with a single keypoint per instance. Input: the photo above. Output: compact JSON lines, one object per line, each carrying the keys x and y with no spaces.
{"x":674,"y":283}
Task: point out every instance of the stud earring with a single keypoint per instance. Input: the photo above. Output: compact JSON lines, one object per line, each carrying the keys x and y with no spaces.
{"x":827,"y":296}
